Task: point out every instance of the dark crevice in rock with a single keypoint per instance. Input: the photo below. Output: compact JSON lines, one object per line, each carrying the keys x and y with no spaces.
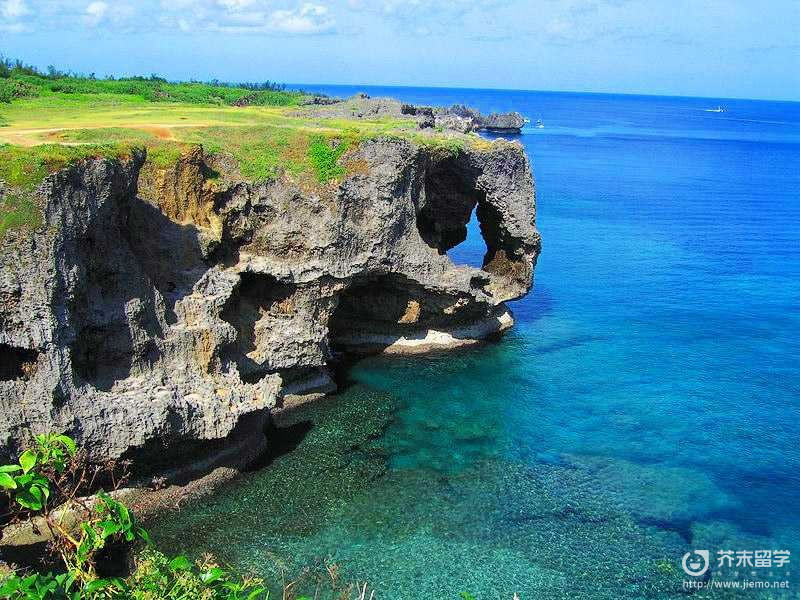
{"x":169,"y":253}
{"x":194,"y":458}
{"x":376,"y":311}
{"x":103,"y":354}
{"x":17,"y":363}
{"x":258,"y":303}
{"x":450,"y":197}
{"x":281,"y":441}
{"x":117,"y":315}
{"x":381,"y":304}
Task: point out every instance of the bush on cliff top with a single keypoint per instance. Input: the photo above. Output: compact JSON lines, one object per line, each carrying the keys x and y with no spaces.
{"x":18,"y":80}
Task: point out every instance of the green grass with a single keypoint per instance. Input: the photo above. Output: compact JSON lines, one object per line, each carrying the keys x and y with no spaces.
{"x":103,"y":135}
{"x":49,"y":122}
{"x":25,"y":168}
{"x":17,"y":211}
{"x":324,"y":155}
{"x":164,"y":154}
{"x":261,"y":152}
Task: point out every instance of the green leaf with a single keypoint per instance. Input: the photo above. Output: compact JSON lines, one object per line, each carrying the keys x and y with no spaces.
{"x":96,"y":585}
{"x":142,"y":534}
{"x":211,"y":575}
{"x":256,"y":592}
{"x":68,"y":443}
{"x":10,"y":469}
{"x":25,"y":480}
{"x":27,"y":460}
{"x":29,"y":500}
{"x":180,"y":563}
{"x":124,"y":514}
{"x":7,"y":482}
{"x":9,"y":586}
{"x":44,"y":490}
{"x":109,"y":528}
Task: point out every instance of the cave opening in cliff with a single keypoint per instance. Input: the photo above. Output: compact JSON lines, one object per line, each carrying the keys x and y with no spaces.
{"x":449,"y":218}
{"x":374,"y":310}
{"x":17,"y":363}
{"x":258,"y":301}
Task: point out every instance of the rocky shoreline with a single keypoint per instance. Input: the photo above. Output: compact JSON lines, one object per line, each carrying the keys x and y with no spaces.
{"x":454,"y":118}
{"x":162,"y":313}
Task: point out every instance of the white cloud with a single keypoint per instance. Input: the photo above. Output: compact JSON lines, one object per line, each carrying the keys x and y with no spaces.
{"x":95,"y":12}
{"x":235,"y":5}
{"x":308,"y":18}
{"x":13,"y":27}
{"x":13,"y":9}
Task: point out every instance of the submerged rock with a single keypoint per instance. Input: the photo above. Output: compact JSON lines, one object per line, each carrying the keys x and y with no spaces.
{"x":159,"y":317}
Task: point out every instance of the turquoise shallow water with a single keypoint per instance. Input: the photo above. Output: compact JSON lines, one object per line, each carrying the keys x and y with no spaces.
{"x":646,"y":403}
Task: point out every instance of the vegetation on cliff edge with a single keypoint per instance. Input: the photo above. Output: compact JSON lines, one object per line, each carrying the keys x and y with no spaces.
{"x":55,"y":119}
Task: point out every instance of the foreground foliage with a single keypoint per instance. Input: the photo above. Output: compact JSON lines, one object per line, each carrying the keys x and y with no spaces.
{"x":53,"y":474}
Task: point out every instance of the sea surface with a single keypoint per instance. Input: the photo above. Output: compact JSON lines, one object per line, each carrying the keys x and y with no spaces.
{"x":647,"y":402}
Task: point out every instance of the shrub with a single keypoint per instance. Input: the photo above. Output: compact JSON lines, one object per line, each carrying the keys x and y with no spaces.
{"x":11,"y":89}
{"x":51,"y":473}
{"x":29,"y":81}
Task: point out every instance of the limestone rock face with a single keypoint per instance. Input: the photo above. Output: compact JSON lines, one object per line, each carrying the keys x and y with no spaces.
{"x":158,"y":317}
{"x":463,"y":118}
{"x":455,"y":118}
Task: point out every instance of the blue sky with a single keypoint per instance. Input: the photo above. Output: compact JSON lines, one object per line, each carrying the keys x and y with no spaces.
{"x":716,"y":48}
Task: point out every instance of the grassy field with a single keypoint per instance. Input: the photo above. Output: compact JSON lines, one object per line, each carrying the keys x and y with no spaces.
{"x":48,"y":122}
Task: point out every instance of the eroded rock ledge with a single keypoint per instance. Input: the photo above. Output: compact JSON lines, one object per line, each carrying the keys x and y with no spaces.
{"x":157,"y":317}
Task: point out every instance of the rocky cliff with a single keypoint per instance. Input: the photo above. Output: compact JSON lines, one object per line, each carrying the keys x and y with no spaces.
{"x":160,"y":313}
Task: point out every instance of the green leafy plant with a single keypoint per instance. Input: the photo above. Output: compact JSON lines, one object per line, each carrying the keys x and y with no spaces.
{"x":49,"y":469}
{"x":158,"y":577}
{"x":28,"y":487}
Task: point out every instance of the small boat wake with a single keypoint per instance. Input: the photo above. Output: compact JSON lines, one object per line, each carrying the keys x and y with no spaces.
{"x":719,"y":109}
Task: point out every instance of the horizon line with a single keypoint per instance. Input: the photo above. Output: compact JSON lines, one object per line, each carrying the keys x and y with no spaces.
{"x":290,"y":86}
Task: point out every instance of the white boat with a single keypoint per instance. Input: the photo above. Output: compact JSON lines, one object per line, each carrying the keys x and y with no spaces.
{"x":719,"y":109}
{"x":539,"y":124}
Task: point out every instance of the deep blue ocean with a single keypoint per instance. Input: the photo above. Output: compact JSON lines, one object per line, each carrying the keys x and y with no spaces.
{"x":646,"y":403}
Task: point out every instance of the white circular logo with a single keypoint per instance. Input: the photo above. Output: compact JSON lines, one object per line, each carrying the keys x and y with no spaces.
{"x":698,"y":565}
